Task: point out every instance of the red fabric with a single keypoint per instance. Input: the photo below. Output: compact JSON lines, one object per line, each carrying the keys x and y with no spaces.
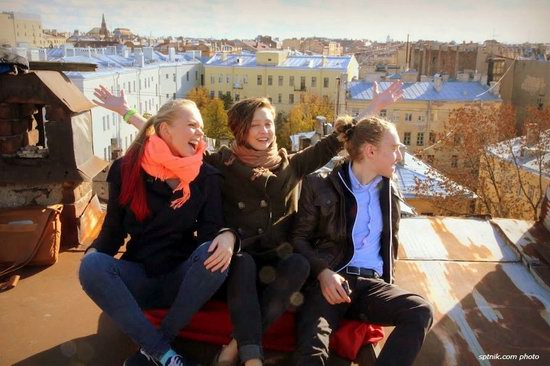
{"x":213,"y":325}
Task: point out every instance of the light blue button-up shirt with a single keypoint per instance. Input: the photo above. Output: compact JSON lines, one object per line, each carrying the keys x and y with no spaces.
{"x":367,"y":229}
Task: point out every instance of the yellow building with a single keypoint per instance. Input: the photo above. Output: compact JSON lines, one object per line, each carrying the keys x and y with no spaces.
{"x":421,"y":115}
{"x":521,"y":179}
{"x":53,"y":38}
{"x":278,"y":76}
{"x":19,"y":29}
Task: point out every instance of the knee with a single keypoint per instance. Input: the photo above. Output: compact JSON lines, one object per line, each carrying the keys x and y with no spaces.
{"x":421,"y":313}
{"x":92,"y":267}
{"x":298,"y":265}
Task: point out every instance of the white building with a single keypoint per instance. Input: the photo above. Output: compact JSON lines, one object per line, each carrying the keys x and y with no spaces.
{"x":148,"y":79}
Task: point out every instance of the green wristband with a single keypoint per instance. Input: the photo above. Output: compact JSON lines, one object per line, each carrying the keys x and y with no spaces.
{"x":129,"y":115}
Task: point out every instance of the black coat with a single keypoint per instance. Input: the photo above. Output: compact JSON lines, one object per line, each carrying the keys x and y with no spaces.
{"x":323,"y":226}
{"x":262,"y":210}
{"x":167,"y":236}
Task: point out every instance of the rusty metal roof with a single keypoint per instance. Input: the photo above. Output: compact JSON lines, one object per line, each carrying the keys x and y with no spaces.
{"x":488,"y":300}
{"x":15,"y":89}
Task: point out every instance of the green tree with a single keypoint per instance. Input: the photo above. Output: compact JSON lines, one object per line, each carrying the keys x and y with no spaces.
{"x":302,"y":116}
{"x":227,"y":101}
{"x":282,"y":130}
{"x":200,"y":97}
{"x":215,"y":120}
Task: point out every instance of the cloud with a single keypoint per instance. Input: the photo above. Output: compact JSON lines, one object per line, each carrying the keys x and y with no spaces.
{"x":511,"y":20}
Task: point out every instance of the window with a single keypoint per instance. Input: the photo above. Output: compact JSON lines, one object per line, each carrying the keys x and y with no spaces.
{"x":259,"y":81}
{"x":291,"y":81}
{"x":302,"y":83}
{"x":432,"y":138}
{"x":237,"y":97}
{"x":313,"y":82}
{"x":174,"y":96}
{"x":269,"y":80}
{"x":212,"y":79}
{"x":211,"y":94}
{"x":220,"y":78}
{"x":430,"y":159}
{"x":167,"y":96}
{"x":420,"y":139}
{"x":383,"y":113}
{"x":454,"y":161}
{"x":291,"y":98}
{"x":187,"y":76}
{"x":407,"y":138}
{"x":281,"y":80}
{"x":196,"y":75}
{"x":220,"y":94}
{"x":245,"y":80}
{"x":408,"y":117}
{"x":421,"y":118}
{"x":167,"y":76}
{"x":227,"y":79}
{"x":279,"y":98}
{"x":270,"y":100}
{"x":325,"y":82}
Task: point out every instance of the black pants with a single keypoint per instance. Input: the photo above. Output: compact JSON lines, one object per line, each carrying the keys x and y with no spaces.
{"x":259,"y":292}
{"x":373,"y":301}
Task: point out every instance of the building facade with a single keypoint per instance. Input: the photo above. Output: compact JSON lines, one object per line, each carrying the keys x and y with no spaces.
{"x":281,"y":77}
{"x":148,"y":78}
{"x":21,"y":30}
{"x":420,"y":117}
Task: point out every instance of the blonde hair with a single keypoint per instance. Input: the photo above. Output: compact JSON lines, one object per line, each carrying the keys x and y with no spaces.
{"x":355,"y":134}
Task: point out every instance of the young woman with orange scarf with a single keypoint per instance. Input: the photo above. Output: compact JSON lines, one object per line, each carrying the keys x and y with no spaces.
{"x":161,"y":194}
{"x":260,"y":194}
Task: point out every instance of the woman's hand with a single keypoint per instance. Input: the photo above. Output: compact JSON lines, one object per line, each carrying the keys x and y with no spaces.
{"x":383,"y":99}
{"x":113,"y":103}
{"x":222,"y":252}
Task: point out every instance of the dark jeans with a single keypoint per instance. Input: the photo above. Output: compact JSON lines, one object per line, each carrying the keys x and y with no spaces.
{"x":122,"y":288}
{"x":373,"y":301}
{"x":258,"y":293}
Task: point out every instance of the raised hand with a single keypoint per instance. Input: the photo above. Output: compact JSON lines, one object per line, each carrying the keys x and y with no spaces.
{"x":106,"y":99}
{"x":383,"y":99}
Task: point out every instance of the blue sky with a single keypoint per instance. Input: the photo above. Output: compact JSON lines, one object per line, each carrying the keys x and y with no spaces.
{"x":512,"y":21}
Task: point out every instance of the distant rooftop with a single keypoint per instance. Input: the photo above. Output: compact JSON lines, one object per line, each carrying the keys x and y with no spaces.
{"x":526,"y":156}
{"x":450,"y":91}
{"x":293,"y":61}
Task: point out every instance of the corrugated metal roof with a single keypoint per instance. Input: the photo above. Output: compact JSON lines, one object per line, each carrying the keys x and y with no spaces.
{"x":450,"y":91}
{"x":415,"y":170}
{"x":487,"y":301}
{"x":244,"y":60}
{"x":519,"y":149}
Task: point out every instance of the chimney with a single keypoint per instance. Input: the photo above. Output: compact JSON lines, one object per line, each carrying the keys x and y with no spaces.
{"x":139,"y":59}
{"x":171,"y":54}
{"x":320,"y":125}
{"x":438,"y":82}
{"x":42,"y":55}
{"x":148,"y":53}
{"x":532,"y":136}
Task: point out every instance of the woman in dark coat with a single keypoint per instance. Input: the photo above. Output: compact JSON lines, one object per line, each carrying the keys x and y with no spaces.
{"x":169,"y":202}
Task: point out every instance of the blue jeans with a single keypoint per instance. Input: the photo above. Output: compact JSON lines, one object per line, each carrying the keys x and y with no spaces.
{"x":122,"y":289}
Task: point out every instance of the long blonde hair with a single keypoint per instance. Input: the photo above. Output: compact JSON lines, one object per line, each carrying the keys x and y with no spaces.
{"x":132,"y":192}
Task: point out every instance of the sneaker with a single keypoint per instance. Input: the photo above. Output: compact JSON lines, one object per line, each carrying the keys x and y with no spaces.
{"x":140,"y":358}
{"x":178,"y":360}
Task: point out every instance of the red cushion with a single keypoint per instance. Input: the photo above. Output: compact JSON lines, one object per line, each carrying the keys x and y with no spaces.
{"x":212,"y":324}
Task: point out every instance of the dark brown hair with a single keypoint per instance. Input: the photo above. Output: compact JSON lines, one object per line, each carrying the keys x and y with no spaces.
{"x":241,"y":114}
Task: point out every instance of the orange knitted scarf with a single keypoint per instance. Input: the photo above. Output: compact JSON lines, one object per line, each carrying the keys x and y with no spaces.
{"x":159,"y":162}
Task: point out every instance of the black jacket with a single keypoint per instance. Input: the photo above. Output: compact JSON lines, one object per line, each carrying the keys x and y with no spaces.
{"x":167,"y":236}
{"x":327,"y":211}
{"x":262,"y":210}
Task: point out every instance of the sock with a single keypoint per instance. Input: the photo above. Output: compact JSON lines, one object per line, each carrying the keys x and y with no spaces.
{"x":167,"y":356}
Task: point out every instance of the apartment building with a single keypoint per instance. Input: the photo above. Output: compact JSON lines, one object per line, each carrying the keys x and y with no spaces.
{"x":21,"y":30}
